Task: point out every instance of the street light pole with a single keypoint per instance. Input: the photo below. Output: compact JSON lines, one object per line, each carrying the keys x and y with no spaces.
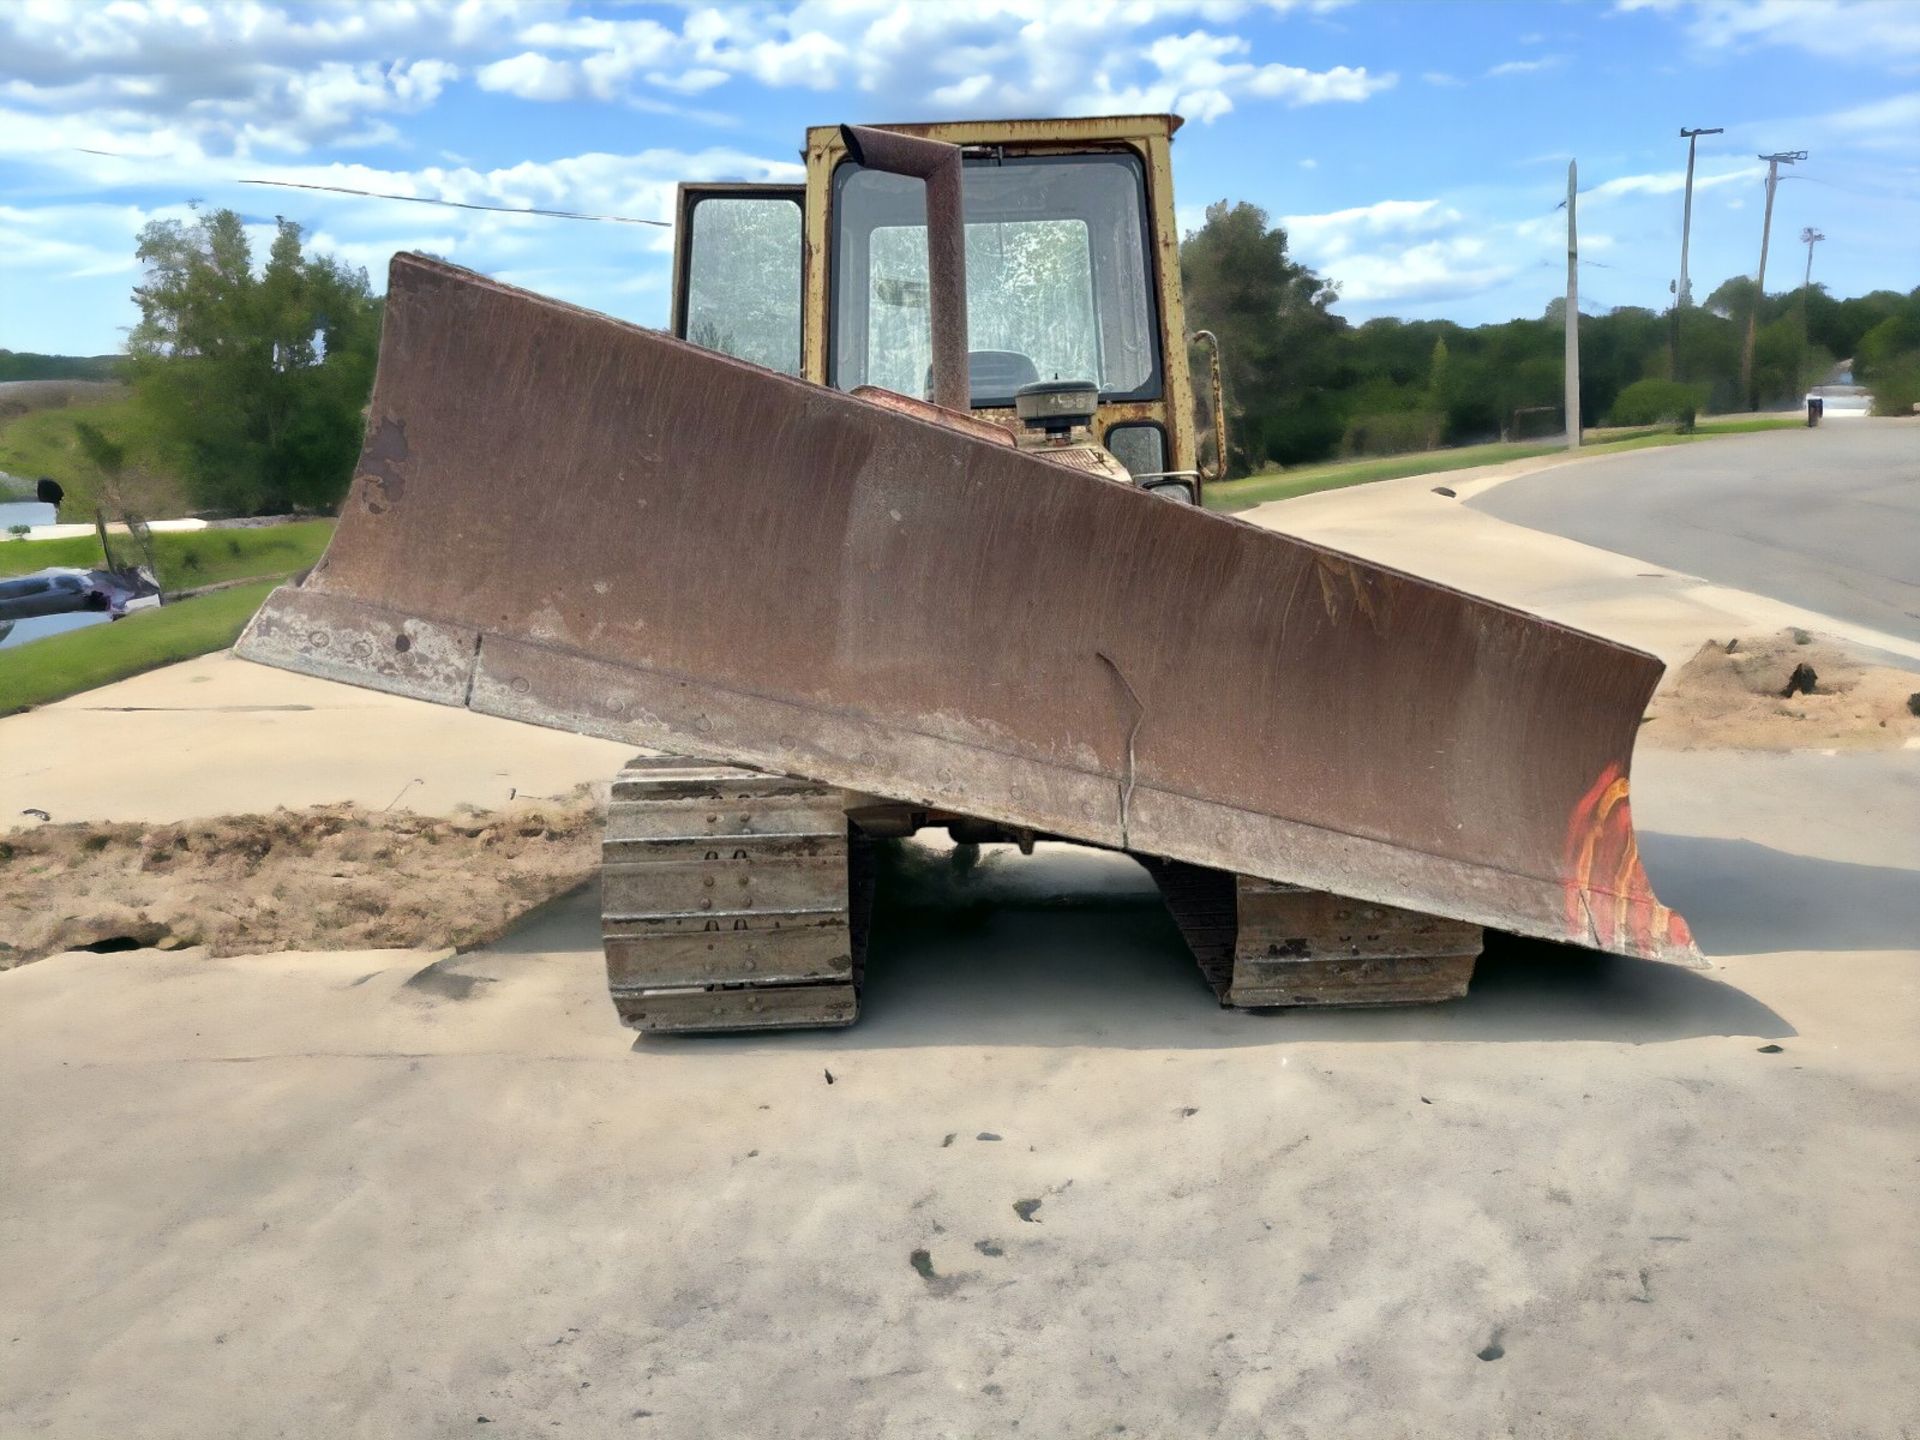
{"x":1683,"y":290}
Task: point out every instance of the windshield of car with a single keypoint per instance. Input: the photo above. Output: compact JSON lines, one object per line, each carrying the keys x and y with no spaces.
{"x":1057,"y":278}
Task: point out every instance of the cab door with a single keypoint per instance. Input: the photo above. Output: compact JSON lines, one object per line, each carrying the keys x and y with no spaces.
{"x":738,"y":254}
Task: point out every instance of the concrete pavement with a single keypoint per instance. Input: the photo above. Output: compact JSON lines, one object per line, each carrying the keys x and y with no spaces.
{"x":1826,"y":519}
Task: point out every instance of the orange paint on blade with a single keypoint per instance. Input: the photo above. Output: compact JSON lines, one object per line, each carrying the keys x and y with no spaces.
{"x":1609,"y":900}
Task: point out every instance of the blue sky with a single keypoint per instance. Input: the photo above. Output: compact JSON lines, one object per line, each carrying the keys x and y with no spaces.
{"x":1415,"y":151}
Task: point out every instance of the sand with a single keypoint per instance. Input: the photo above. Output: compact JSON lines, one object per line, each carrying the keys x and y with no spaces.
{"x":332,"y":877}
{"x":1730,"y":696}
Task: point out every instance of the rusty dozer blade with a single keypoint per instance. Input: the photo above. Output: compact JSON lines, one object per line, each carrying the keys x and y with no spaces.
{"x":568,"y":520}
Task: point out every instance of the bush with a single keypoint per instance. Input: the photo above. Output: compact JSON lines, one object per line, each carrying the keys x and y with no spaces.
{"x":1652,"y":402}
{"x":1395,"y":433}
{"x":1896,"y":386}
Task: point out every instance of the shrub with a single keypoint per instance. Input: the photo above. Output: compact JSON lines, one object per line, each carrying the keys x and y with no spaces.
{"x":1394,"y":433}
{"x":1896,"y":386}
{"x":1651,"y":402}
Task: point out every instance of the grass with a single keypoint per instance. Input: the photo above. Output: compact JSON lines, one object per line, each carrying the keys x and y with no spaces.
{"x":43,"y":442}
{"x":1232,"y":495}
{"x":42,"y":671}
{"x":188,"y":559}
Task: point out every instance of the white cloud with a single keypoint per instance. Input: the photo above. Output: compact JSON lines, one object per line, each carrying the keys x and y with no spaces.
{"x":253,"y":75}
{"x":1862,"y":30}
{"x":1442,"y":79}
{"x":1438,"y":269}
{"x":1010,"y":56}
{"x":242,"y":75}
{"x":529,"y":75}
{"x":1888,"y":124}
{"x":688,"y":82}
{"x":1670,"y":182}
{"x":1524,"y":67}
{"x":1403,"y":251}
{"x":1338,"y":232}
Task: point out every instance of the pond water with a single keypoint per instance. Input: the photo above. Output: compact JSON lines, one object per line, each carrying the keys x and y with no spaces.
{"x":24,"y":512}
{"x":41,"y":626}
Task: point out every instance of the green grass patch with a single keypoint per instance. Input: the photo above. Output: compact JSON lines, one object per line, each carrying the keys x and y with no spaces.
{"x":1232,"y":495}
{"x":187,"y":559}
{"x":45,"y":442}
{"x":41,"y":671}
{"x":1749,"y":424}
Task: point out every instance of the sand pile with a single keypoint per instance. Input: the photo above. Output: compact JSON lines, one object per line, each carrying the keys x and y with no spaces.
{"x":333,"y":877}
{"x":1734,"y":695}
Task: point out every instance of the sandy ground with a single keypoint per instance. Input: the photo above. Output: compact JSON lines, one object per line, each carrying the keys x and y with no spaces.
{"x":1050,"y":1188}
{"x":333,"y":877}
{"x":1795,"y":690}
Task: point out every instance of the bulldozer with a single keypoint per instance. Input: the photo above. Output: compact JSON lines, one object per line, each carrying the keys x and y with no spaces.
{"x":900,"y":528}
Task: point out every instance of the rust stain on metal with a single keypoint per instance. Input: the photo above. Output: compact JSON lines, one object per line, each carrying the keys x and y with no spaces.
{"x":1362,"y":590}
{"x":382,"y":462}
{"x":938,"y":164}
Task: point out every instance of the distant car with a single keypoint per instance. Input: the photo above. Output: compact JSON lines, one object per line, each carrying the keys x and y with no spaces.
{"x":1842,"y":402}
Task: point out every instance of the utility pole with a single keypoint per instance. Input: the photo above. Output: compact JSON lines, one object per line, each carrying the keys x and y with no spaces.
{"x":1683,"y":290}
{"x":1809,"y":237}
{"x":1774,"y":162}
{"x":1573,"y":314}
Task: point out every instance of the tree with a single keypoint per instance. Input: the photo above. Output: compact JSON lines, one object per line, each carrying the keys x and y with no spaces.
{"x":1278,"y":337}
{"x":257,"y":381}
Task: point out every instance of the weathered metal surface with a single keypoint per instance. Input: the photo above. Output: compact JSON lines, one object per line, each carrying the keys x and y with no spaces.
{"x":1351,"y":984}
{"x":1260,"y":943}
{"x":726,"y":900}
{"x":646,"y":540}
{"x":937,"y":164}
{"x":1218,"y":414}
{"x":1294,"y":946}
{"x":1202,"y":903}
{"x":771,"y":1007}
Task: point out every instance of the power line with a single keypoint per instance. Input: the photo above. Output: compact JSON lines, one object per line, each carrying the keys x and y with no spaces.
{"x":464,"y":204}
{"x":420,"y":199}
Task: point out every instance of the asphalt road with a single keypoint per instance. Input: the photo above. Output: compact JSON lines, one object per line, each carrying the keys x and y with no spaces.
{"x":1826,"y":518}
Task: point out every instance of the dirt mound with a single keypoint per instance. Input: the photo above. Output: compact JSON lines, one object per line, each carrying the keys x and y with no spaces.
{"x":333,"y":877}
{"x":1751,"y":694}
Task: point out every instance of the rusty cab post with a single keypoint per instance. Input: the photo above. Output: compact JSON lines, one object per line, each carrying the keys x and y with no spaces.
{"x":1218,"y":470}
{"x":938,"y":164}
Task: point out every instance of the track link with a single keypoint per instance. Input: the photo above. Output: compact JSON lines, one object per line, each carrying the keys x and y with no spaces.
{"x":731,"y":899}
{"x":1261,"y":943}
